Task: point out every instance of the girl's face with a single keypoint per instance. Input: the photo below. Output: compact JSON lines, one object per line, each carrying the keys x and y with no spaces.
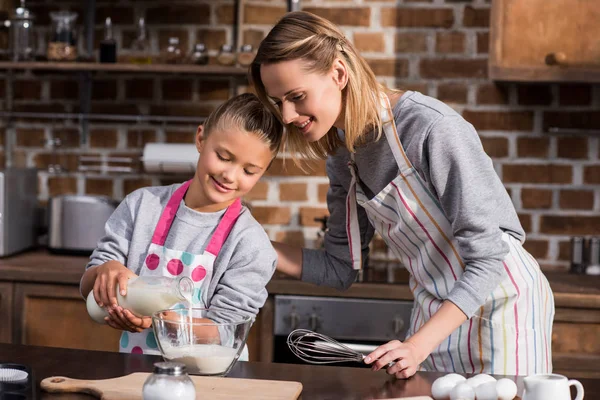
{"x":311,"y":101}
{"x":231,"y":162}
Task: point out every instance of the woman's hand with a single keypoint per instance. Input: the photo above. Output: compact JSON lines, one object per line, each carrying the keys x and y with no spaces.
{"x":125,"y":320}
{"x":406,"y":356}
{"x":107,"y":276}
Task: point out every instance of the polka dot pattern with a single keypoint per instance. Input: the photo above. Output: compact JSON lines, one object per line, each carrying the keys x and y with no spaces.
{"x":187,"y":258}
{"x":124,"y":340}
{"x":197,"y":297}
{"x":198,"y":273}
{"x":152,"y":261}
{"x":137,"y":350}
{"x":151,"y":340}
{"x":175,"y":267}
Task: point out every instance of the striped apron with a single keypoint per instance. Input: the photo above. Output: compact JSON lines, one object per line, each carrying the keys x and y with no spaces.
{"x":511,"y":333}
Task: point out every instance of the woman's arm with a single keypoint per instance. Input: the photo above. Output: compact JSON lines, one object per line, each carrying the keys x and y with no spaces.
{"x":411,"y":353}
{"x":289,"y":259}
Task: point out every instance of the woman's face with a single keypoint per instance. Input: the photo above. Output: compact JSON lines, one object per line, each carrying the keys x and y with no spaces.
{"x":311,"y":101}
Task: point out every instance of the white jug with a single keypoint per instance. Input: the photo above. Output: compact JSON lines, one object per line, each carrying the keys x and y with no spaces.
{"x":550,"y":386}
{"x":145,"y":295}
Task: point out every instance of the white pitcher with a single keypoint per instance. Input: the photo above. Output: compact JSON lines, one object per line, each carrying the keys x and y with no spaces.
{"x":550,"y":386}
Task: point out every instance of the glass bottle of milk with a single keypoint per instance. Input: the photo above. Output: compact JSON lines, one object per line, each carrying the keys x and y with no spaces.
{"x":146,"y":295}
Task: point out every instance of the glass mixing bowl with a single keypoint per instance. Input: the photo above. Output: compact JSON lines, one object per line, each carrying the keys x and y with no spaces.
{"x":207,"y":348}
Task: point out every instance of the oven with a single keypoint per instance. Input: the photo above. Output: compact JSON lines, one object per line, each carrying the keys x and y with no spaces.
{"x":361,"y":324}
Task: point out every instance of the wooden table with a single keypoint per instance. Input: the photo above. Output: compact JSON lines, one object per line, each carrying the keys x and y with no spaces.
{"x":319,"y":382}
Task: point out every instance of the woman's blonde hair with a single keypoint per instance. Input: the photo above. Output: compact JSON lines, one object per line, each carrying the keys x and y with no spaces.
{"x":248,"y":114}
{"x":318,"y":42}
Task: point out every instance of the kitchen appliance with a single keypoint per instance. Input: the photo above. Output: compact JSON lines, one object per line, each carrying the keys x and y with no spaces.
{"x":76,"y":222}
{"x":18,"y":203}
{"x":360,"y":324}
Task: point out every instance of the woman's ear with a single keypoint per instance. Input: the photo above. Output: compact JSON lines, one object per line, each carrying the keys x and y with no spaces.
{"x":200,"y":139}
{"x":340,"y":73}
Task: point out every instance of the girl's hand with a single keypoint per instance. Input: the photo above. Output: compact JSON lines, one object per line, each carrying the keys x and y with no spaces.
{"x":107,"y":276}
{"x":123,"y":319}
{"x":405,"y":354}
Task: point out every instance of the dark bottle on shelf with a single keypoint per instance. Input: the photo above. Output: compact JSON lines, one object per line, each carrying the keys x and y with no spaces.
{"x":577,"y":251}
{"x":108,"y":46}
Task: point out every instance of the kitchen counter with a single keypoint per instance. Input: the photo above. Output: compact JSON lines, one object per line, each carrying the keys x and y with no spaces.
{"x":39,"y":290}
{"x":581,"y":291}
{"x":319,"y":382}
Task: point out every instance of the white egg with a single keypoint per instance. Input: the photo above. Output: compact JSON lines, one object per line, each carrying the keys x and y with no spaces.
{"x":507,"y":389}
{"x":479,"y":379}
{"x":440,"y":390}
{"x":456,"y":378}
{"x":462,"y":391}
{"x":486,"y":391}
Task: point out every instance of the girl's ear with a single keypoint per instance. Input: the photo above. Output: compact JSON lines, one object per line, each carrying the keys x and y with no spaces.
{"x":340,"y":73}
{"x":200,"y":138}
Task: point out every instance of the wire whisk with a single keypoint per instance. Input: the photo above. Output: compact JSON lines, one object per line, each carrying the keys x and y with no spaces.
{"x":316,"y":348}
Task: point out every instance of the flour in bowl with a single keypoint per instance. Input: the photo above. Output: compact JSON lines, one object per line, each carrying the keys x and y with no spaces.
{"x":209,"y":359}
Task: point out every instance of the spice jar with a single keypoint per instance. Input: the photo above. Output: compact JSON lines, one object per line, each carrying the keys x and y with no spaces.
{"x":140,"y":50}
{"x":199,"y":55}
{"x":169,"y":381}
{"x":226,"y":56}
{"x":63,"y":38}
{"x":172,"y":54}
{"x":246,"y":55}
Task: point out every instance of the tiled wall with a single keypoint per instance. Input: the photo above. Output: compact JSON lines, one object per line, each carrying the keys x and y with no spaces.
{"x":437,"y":47}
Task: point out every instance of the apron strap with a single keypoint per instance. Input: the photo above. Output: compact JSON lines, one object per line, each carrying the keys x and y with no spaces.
{"x":224,"y":228}
{"x":352,"y":227}
{"x":391,"y":134}
{"x":168,"y":215}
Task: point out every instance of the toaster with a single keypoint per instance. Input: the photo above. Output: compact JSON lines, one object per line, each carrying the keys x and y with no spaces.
{"x":76,"y":222}
{"x":18,"y":209}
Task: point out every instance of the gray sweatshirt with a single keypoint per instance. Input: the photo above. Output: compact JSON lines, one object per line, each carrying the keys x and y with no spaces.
{"x":242,"y":269}
{"x":447,"y":153}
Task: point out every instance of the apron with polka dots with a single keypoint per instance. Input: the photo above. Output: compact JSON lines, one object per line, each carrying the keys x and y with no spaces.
{"x":162,"y":261}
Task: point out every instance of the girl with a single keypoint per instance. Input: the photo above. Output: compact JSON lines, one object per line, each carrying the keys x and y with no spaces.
{"x":412,"y":169}
{"x":198,"y":229}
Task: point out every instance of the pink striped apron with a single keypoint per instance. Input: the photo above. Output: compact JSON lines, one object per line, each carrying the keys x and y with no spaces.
{"x":162,"y":261}
{"x":511,"y":333}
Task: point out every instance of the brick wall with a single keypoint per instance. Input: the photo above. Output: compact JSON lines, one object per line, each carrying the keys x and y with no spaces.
{"x":437,"y":47}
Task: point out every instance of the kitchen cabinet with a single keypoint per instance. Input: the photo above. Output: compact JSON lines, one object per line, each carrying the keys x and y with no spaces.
{"x":55,"y":316}
{"x":6,"y":296}
{"x":576,"y":341}
{"x":539,"y":40}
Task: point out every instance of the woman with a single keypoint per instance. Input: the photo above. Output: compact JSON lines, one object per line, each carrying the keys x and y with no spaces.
{"x":412,"y":169}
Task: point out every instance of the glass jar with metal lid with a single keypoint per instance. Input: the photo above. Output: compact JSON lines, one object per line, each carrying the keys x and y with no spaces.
{"x":169,"y":381}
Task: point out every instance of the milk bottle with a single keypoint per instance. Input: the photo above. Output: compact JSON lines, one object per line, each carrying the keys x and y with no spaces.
{"x":146,"y":295}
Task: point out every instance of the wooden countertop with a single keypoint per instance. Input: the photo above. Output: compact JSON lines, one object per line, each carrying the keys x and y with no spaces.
{"x":575,"y":291}
{"x":319,"y":382}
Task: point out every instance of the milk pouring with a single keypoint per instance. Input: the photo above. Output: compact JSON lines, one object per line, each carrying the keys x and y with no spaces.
{"x":145,"y":296}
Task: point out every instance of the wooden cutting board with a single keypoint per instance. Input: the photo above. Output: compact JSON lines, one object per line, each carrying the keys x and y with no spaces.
{"x":129,"y":387}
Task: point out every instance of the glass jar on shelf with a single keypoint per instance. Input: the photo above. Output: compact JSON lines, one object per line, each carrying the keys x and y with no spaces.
{"x":226,"y":56}
{"x":62,"y":45}
{"x":172,"y":53}
{"x":199,"y":55}
{"x":140,"y":51}
{"x":246,"y":55}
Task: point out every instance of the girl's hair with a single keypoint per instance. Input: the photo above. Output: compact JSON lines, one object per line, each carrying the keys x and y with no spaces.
{"x":246,"y":113}
{"x":318,"y":42}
